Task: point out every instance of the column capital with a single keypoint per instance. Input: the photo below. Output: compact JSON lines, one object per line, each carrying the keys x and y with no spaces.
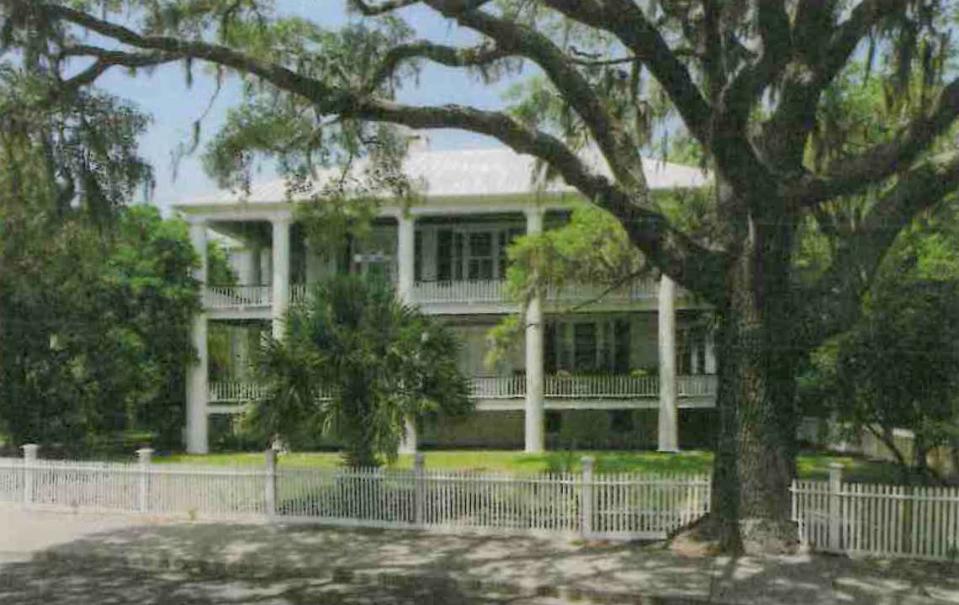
{"x":196,"y":221}
{"x":282,"y":219}
{"x":534,"y":212}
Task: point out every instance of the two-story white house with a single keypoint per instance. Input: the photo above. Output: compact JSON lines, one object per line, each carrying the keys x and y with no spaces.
{"x":619,"y":371}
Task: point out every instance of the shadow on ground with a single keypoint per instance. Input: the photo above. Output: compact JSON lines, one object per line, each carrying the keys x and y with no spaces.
{"x":262,"y":563}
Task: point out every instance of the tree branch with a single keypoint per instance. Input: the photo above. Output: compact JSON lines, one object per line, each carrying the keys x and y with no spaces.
{"x":693,"y":266}
{"x":617,"y":145}
{"x":743,"y":92}
{"x":849,"y":34}
{"x":627,"y":22}
{"x":105,"y":59}
{"x":824,"y":49}
{"x":371,"y":10}
{"x":444,"y":55}
{"x":834,"y":303}
{"x":883,"y":160}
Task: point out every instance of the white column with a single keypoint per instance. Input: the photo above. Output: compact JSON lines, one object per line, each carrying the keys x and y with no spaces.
{"x":405,"y":255}
{"x":534,"y":355}
{"x":668,"y":413}
{"x":405,"y":251}
{"x":197,"y":389}
{"x":281,"y":273}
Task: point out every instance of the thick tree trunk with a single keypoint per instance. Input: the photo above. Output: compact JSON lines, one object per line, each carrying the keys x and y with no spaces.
{"x":755,"y":457}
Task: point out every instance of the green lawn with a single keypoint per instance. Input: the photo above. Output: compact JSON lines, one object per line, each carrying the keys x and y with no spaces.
{"x":812,"y":465}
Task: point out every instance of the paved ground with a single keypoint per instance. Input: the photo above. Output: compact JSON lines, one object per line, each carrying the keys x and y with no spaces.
{"x":54,"y":558}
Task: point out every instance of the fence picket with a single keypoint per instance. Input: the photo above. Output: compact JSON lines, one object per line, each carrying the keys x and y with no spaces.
{"x":870,"y":519}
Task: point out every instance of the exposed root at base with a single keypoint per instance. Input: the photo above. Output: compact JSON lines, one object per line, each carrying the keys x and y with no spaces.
{"x":707,"y":537}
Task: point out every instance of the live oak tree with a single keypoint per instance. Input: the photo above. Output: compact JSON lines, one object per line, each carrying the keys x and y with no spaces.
{"x":748,"y":82}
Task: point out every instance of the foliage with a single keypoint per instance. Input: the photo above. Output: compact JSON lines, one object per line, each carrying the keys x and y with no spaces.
{"x":898,"y":366}
{"x":380,"y":361}
{"x":88,"y":140}
{"x":95,"y":331}
{"x":753,"y":82}
{"x":812,"y":465}
{"x":95,"y":297}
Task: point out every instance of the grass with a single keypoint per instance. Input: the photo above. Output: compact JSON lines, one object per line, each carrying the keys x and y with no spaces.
{"x":811,"y":465}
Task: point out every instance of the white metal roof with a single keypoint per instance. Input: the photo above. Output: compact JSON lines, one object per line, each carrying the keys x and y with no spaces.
{"x":473,"y":173}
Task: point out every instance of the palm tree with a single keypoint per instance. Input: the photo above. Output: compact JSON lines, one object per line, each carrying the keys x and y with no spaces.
{"x":356,"y":363}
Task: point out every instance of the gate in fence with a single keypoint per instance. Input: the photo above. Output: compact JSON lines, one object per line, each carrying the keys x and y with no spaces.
{"x":618,"y":506}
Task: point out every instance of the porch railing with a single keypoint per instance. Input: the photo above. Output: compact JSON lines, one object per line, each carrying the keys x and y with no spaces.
{"x":235,"y":392}
{"x":240,"y":392}
{"x":436,"y":292}
{"x":514,"y":387}
{"x":601,"y":386}
{"x":494,"y":291}
{"x":473,"y":291}
{"x":499,"y":387}
{"x":236,"y":297}
{"x":579,"y":293}
{"x":703,"y":385}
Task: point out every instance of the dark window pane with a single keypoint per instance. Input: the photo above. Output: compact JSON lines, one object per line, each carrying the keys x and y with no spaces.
{"x":621,"y":365}
{"x":621,"y":421}
{"x":584,"y":345}
{"x":554,"y":422}
{"x":418,"y":256}
{"x":481,"y":244}
{"x":457,"y":256}
{"x":444,"y":255}
{"x":549,"y":348}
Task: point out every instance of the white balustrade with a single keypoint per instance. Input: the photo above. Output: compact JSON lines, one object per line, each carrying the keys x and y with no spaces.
{"x":581,"y":293}
{"x":701,"y":385}
{"x":298,"y":293}
{"x":499,"y":387}
{"x":241,"y":392}
{"x":560,"y":386}
{"x":435,"y":292}
{"x":601,"y":386}
{"x":236,"y":297}
{"x":474,"y":291}
{"x":235,"y":391}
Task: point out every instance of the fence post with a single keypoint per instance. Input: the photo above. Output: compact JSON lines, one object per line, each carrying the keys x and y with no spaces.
{"x":419,"y":488}
{"x":270,"y":487}
{"x":835,"y":515}
{"x":586,"y":493}
{"x":29,"y":463}
{"x":145,"y":457}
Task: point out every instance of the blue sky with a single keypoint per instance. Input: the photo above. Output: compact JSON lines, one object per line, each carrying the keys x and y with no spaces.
{"x":175,"y":107}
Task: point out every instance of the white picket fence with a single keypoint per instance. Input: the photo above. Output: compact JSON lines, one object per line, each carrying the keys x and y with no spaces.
{"x":884,"y":520}
{"x":622,"y":506}
{"x":833,"y":516}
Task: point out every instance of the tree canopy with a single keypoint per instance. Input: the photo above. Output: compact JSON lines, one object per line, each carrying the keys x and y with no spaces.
{"x":751,"y":84}
{"x":96,"y":296}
